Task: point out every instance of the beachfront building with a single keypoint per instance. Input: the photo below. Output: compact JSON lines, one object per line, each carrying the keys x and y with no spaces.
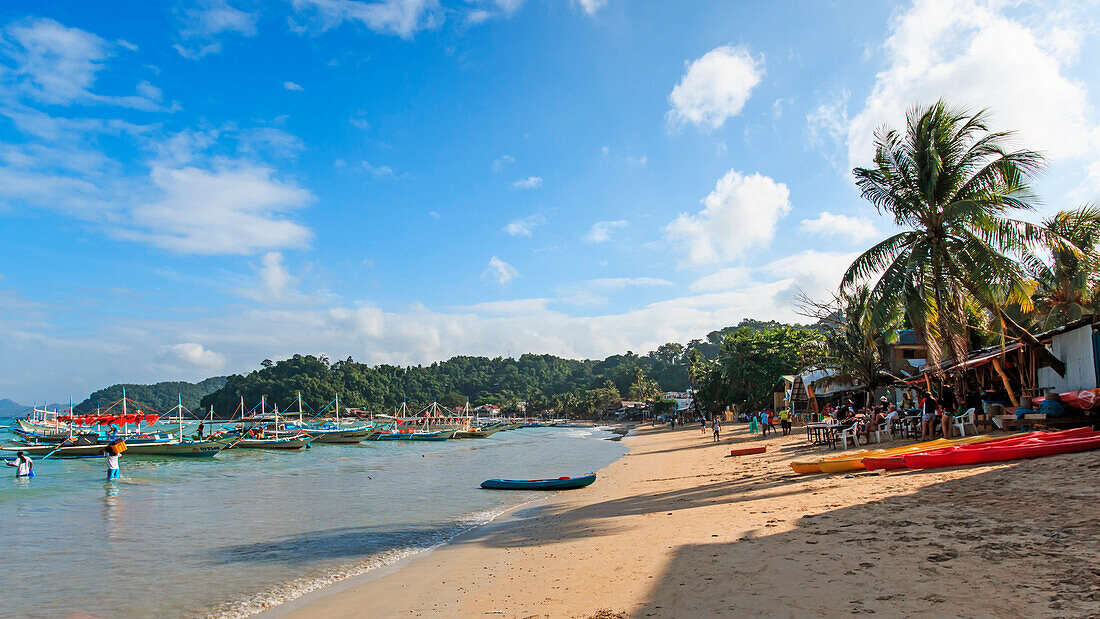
{"x":1008,"y":373}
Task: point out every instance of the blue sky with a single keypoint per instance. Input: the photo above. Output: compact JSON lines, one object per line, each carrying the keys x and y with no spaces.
{"x":188,"y":188}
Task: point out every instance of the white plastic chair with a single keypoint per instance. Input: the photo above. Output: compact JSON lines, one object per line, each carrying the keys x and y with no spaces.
{"x":966,"y":419}
{"x":879,"y":430}
{"x":852,"y":432}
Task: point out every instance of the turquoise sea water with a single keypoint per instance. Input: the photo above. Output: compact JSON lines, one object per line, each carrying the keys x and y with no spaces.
{"x":248,"y":528}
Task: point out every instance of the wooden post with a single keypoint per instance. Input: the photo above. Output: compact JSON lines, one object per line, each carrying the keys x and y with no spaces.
{"x":1004,"y":379}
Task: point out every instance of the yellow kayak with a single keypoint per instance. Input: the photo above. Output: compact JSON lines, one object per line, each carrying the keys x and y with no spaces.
{"x":854,"y":461}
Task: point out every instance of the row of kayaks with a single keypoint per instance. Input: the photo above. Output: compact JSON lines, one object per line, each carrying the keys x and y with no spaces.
{"x":957,"y":452}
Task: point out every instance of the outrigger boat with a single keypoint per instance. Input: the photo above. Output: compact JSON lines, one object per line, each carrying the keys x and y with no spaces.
{"x":331,"y":432}
{"x":420,"y":427}
{"x":174,"y":448}
{"x":279,"y":439}
{"x":91,"y":443}
{"x":472,"y":431}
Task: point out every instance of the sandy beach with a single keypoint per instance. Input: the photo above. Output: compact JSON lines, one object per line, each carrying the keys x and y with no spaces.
{"x":677,"y":528}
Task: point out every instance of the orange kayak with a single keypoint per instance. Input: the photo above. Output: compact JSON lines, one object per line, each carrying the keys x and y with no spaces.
{"x":744,"y":451}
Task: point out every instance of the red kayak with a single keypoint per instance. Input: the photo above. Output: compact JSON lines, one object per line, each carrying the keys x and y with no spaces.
{"x":1028,"y":448}
{"x":745,"y":451}
{"x":959,"y":454}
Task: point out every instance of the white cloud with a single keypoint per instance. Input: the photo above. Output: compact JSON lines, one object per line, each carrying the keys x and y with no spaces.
{"x":601,"y":231}
{"x":524,"y":226}
{"x":43,"y":357}
{"x":531,"y":182}
{"x":971,"y":53}
{"x":590,"y":7}
{"x":379,"y":172}
{"x":206,"y":192}
{"x":359,"y":121}
{"x":209,"y":19}
{"x":516,"y":306}
{"x":594,"y":292}
{"x":498,"y":164}
{"x":195,"y":356}
{"x":723,"y":279}
{"x":292,"y":86}
{"x":619,"y":283}
{"x":277,"y":281}
{"x":240,"y":210}
{"x":403,"y":18}
{"x":741,"y":213}
{"x":57,"y":65}
{"x":500,"y":271}
{"x":715,"y":87}
{"x":854,"y":229}
{"x":827,"y":125}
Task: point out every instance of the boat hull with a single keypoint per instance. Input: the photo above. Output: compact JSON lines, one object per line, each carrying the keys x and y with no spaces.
{"x":273,"y":443}
{"x":478,"y":432}
{"x":441,"y":435}
{"x":562,"y":483}
{"x":342,"y":437}
{"x":187,"y":449}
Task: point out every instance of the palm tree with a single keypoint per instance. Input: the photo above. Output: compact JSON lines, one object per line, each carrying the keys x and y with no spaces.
{"x":952,"y":185}
{"x":1069,"y":285}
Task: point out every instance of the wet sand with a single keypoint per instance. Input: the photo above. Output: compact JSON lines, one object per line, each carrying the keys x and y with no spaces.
{"x":678,"y":529}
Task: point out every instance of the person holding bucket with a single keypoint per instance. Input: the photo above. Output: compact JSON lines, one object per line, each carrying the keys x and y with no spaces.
{"x":112,"y":454}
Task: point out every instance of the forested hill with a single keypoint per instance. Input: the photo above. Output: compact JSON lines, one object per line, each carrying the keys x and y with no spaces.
{"x":160,"y":396}
{"x":545,"y":382}
{"x":536,"y":379}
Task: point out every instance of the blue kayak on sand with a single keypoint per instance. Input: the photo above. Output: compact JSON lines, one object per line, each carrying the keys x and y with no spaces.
{"x":561,"y":483}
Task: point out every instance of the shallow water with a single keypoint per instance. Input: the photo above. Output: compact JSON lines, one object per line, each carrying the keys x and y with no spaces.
{"x":249,"y":528}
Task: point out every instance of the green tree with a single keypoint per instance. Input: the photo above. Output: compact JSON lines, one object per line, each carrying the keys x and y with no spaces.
{"x":751,"y":361}
{"x":855,"y":346}
{"x":952,"y":185}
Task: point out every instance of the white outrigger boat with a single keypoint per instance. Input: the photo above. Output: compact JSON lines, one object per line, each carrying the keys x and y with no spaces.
{"x":256,"y":436}
{"x":332,"y":432}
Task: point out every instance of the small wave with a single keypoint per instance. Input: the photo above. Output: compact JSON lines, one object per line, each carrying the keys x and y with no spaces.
{"x":288,"y":591}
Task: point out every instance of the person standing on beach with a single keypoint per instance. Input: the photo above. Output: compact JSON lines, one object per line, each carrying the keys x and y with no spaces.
{"x":112,"y":464}
{"x":785,"y":421}
{"x":702,"y":425}
{"x":23,"y":465}
{"x":717,"y":427}
{"x":929,"y":405}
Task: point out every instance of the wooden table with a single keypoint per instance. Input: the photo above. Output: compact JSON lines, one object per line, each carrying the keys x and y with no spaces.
{"x":820,"y":433}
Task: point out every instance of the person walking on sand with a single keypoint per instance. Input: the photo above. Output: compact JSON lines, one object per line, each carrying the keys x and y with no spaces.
{"x":112,"y":464}
{"x":785,"y":421}
{"x":717,"y":427}
{"x":23,"y":465}
{"x":702,"y":425}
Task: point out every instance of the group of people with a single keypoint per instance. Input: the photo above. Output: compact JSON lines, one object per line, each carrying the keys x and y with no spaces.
{"x":24,"y":466}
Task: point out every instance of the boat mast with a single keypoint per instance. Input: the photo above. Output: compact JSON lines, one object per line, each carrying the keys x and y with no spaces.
{"x":299,"y":408}
{"x":337,"y":410}
{"x":179,"y":411}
